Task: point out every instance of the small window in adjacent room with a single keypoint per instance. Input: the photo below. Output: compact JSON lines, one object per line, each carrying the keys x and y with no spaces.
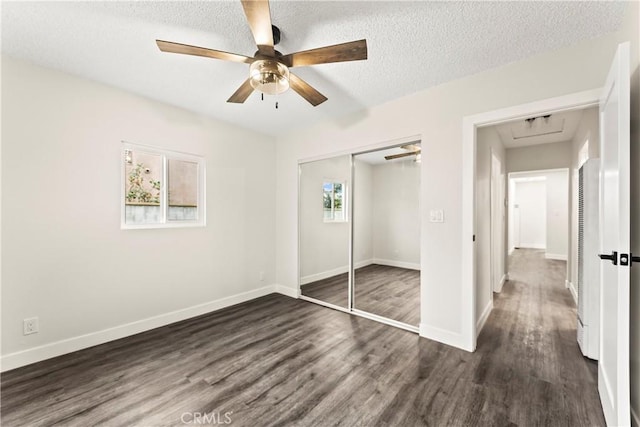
{"x":161,"y":188}
{"x":334,"y":201}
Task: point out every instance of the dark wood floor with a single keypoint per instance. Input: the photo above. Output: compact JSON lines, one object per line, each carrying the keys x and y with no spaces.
{"x":390,"y":292}
{"x":277,"y":361}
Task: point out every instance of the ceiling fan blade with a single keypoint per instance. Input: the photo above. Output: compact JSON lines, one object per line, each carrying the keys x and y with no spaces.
{"x":411,"y":147}
{"x":242,"y":93}
{"x":305,"y":90}
{"x":398,"y":156}
{"x":351,"y":51}
{"x":259,"y":18}
{"x":186,"y":49}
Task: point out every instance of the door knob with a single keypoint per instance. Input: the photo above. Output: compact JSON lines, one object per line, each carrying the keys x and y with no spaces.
{"x":613,"y":257}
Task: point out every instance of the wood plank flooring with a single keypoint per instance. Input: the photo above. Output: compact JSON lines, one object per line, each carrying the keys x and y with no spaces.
{"x":277,"y":361}
{"x":390,"y":292}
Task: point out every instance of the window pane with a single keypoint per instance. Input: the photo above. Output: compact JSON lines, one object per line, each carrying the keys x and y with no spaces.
{"x":338,"y":212}
{"x":183,"y":190}
{"x":143,"y":174}
{"x":327,"y":201}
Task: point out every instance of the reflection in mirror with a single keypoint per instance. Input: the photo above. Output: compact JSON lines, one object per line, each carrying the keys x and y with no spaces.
{"x":324,"y":230}
{"x":386,"y":246}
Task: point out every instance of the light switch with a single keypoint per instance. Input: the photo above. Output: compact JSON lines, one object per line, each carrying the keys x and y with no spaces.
{"x":436,"y":215}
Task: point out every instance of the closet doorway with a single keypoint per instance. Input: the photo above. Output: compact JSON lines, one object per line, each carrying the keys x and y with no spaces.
{"x":359,"y":233}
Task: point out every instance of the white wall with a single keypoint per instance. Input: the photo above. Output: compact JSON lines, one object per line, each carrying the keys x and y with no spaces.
{"x":488,"y":142}
{"x":436,"y":115}
{"x":65,"y":258}
{"x":557,"y":204}
{"x":396,"y":214}
{"x":324,"y":246}
{"x":540,"y":157}
{"x":531,"y":202}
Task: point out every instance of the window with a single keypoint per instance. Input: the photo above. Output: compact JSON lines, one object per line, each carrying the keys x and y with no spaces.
{"x":161,"y":188}
{"x":333,"y":201}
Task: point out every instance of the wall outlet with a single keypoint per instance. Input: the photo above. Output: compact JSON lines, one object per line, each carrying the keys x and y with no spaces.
{"x":30,"y":326}
{"x":436,"y":215}
{"x":262,"y":276}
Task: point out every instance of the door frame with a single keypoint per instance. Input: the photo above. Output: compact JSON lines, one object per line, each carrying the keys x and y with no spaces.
{"x":574,"y":101}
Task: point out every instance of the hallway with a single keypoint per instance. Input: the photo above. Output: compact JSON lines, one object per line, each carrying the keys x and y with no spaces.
{"x":532,"y":333}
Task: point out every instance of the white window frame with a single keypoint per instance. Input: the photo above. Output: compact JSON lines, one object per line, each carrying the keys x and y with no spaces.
{"x":164,"y":188}
{"x":345,"y":216}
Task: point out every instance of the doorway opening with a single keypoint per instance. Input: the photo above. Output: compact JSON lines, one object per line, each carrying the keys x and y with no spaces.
{"x":526,"y":195}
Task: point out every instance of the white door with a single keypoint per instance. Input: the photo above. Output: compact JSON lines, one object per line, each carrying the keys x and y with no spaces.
{"x":613,"y":366}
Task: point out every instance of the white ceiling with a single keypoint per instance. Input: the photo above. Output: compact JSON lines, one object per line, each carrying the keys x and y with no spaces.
{"x":412,"y":46}
{"x":558,"y":127}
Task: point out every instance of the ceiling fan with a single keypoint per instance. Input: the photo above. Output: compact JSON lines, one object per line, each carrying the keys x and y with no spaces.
{"x":269,"y":69}
{"x":412,"y":150}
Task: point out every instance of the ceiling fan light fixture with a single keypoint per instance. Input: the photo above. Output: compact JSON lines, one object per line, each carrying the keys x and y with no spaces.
{"x":269,"y":76}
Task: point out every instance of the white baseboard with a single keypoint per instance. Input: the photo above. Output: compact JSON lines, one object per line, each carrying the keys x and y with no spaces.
{"x":69,"y":345}
{"x":574,"y":293}
{"x":333,"y":272}
{"x":559,"y":257}
{"x":635,"y":419}
{"x":483,"y":317}
{"x":498,"y":288}
{"x":323,"y":275}
{"x":344,"y":269}
{"x":443,"y":336}
{"x":532,"y":246}
{"x":400,"y":264}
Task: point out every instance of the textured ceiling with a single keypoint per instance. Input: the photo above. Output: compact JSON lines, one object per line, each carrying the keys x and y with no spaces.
{"x":412,"y":46}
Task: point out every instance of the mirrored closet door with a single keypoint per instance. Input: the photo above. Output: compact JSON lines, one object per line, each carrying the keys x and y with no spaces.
{"x":359,"y":222}
{"x":324,"y":230}
{"x":386,"y":239}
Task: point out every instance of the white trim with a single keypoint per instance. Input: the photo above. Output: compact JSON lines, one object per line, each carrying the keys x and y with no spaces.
{"x":287,"y":291}
{"x":469,"y":123}
{"x":498,"y":288}
{"x":512,"y":250}
{"x":559,"y":257}
{"x":364,"y":149}
{"x":69,"y":345}
{"x":635,"y":419}
{"x":454,"y":339}
{"x":394,"y":263}
{"x":532,"y":246}
{"x":483,"y":318}
{"x":574,"y":292}
{"x":532,"y":173}
{"x":330,"y":273}
{"x":323,"y":303}
{"x":323,"y":275}
{"x":385,"y":320}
